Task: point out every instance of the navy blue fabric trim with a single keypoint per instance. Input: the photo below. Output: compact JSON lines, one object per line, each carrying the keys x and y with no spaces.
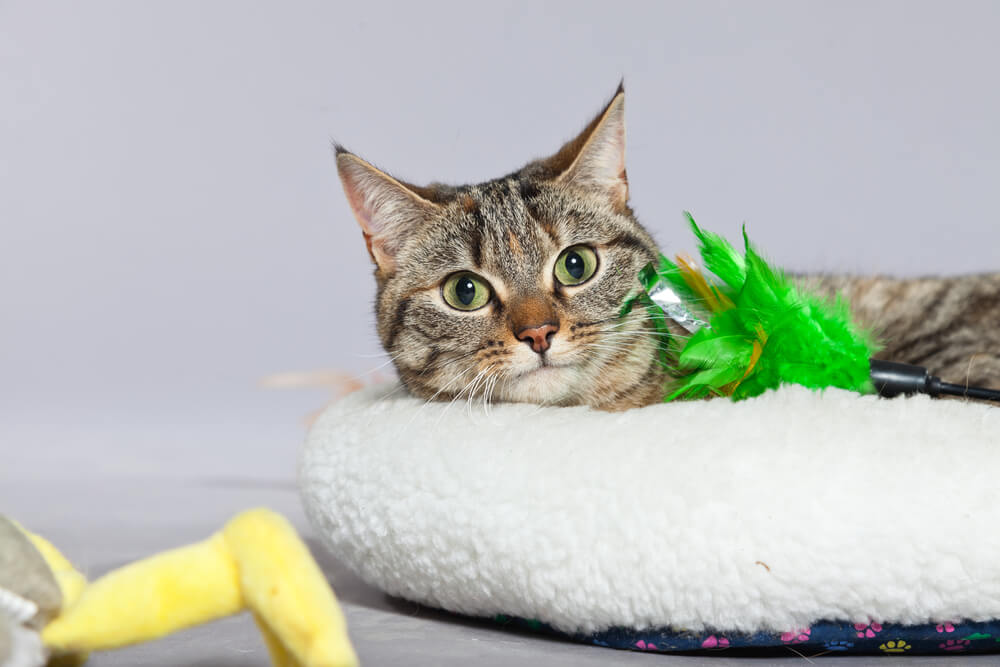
{"x":823,"y":638}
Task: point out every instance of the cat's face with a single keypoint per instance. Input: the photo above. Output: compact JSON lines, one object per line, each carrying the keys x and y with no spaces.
{"x":511,"y":289}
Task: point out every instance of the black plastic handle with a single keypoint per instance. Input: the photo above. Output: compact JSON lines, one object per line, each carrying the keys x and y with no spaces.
{"x":892,"y":378}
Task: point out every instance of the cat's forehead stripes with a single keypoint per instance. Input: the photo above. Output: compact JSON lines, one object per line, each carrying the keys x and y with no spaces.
{"x":509,"y":241}
{"x":515,"y":245}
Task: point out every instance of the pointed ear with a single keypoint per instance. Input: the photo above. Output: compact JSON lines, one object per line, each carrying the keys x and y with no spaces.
{"x":596,"y":158}
{"x":387,"y":210}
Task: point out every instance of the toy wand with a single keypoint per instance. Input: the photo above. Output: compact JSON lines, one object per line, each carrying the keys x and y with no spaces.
{"x":753,"y":329}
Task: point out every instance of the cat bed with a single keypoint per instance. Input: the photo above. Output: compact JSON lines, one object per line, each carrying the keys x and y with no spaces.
{"x":820,"y":521}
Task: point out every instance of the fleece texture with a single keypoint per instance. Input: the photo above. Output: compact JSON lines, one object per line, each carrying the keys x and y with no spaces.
{"x":768,"y":514}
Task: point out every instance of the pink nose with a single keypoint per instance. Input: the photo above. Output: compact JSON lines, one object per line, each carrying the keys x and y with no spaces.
{"x":538,"y":338}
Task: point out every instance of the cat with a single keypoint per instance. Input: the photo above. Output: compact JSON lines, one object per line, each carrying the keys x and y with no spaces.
{"x":951,"y":325}
{"x":511,"y":290}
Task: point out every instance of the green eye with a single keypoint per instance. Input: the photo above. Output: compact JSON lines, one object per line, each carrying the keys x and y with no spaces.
{"x":576,"y":265}
{"x":466,"y":291}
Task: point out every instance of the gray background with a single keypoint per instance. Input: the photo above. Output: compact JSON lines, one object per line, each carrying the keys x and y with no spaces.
{"x":172,"y":230}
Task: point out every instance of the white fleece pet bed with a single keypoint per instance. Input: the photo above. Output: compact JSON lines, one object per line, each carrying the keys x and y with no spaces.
{"x":838,"y":522}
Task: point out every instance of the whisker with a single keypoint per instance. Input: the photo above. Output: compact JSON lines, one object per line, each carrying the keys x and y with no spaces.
{"x":472,"y":387}
{"x":392,"y":359}
{"x":373,"y":355}
{"x":488,"y":392}
{"x":480,"y":377}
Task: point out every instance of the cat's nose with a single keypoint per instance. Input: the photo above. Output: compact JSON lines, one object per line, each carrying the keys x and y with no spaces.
{"x":539,"y":338}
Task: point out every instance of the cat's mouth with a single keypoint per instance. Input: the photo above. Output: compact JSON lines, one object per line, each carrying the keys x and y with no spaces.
{"x":545,"y":365}
{"x":544,"y":369}
{"x":545,"y":382}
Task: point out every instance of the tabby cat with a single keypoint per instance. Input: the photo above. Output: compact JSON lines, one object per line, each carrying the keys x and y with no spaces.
{"x":510,"y":290}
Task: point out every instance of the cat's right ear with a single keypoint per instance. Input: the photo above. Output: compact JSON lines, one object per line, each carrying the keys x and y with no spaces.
{"x":387,"y":210}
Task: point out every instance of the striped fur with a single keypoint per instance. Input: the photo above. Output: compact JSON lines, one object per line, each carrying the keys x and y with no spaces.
{"x":950,"y":325}
{"x":510,"y":231}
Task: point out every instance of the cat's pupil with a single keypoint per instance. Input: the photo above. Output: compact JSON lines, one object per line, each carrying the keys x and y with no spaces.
{"x":465,"y":290}
{"x":574,"y":265}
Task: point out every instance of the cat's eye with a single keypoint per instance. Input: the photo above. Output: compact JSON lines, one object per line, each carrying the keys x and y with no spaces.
{"x":576,"y":265}
{"x":466,"y":291}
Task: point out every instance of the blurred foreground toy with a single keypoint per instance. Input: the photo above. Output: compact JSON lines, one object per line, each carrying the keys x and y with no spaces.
{"x":50,"y":615}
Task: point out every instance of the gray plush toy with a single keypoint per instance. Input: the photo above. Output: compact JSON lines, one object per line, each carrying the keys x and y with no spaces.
{"x":29,"y":598}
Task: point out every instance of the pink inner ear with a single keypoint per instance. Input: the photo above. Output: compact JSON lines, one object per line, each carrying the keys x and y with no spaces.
{"x":368,"y":245}
{"x":385,"y":209}
{"x":357,"y":199}
{"x":352,"y":176}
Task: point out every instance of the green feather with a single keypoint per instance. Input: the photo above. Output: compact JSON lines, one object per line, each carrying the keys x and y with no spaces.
{"x":774,"y":332}
{"x":720,"y":258}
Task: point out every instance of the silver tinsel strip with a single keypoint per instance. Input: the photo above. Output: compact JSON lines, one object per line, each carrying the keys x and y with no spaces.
{"x":673,"y":306}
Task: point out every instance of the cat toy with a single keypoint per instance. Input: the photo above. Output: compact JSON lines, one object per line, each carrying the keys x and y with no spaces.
{"x":49,"y":614}
{"x":754,"y":329}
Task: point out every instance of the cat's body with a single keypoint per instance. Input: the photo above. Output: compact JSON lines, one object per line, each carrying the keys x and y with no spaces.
{"x":949,"y":325}
{"x":511,"y":289}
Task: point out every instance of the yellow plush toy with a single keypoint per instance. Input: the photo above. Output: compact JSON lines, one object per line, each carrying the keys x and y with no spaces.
{"x":49,"y":614}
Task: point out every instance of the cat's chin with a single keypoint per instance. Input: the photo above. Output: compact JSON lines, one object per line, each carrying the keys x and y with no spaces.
{"x":545,"y":384}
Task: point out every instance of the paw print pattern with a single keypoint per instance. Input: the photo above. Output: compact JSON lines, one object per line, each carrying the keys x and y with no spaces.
{"x":954,"y":645}
{"x":715,"y":642}
{"x":796,"y":636}
{"x":896,"y":646}
{"x":867,"y":630}
{"x":828,"y":637}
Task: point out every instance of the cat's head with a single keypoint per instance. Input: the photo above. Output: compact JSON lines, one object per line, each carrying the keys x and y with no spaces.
{"x":511,"y":289}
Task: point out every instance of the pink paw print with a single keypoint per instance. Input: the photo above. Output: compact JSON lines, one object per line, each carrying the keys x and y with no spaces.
{"x":955,"y":645}
{"x":867,"y":630}
{"x":796,"y":636}
{"x":643,"y":646}
{"x":944,"y":627}
{"x":715,"y":642}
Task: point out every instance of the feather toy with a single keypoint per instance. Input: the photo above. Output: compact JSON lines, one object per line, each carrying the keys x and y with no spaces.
{"x":752,"y":328}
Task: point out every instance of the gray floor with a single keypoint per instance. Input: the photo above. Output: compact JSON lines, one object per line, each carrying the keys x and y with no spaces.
{"x":110,"y":493}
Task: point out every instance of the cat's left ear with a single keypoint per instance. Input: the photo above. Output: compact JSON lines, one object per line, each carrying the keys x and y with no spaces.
{"x":596,"y":158}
